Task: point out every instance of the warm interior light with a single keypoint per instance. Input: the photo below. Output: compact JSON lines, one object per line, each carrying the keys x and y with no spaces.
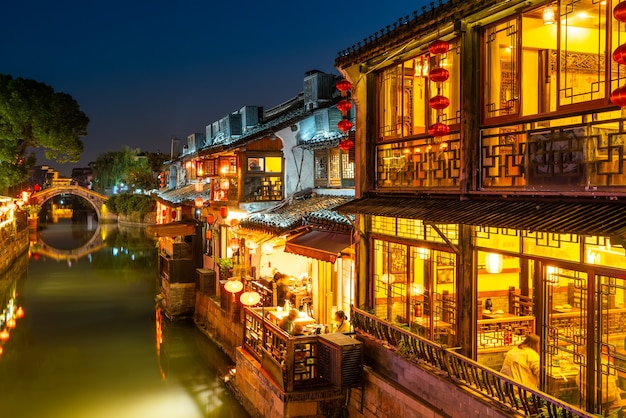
{"x":233,"y":286}
{"x":548,"y":14}
{"x":199,"y":187}
{"x":199,"y":202}
{"x":424,"y":253}
{"x":250,"y":298}
{"x":493,"y":263}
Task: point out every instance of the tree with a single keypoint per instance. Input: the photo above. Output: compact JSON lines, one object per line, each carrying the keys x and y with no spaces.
{"x":33,"y":115}
{"x":129,"y":165}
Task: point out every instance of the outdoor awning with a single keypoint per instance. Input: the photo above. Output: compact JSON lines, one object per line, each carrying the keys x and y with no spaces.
{"x":322,"y":245}
{"x":602,"y":218}
{"x":173,"y":229}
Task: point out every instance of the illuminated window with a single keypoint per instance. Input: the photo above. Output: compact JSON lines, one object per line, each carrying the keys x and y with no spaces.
{"x":404,"y":91}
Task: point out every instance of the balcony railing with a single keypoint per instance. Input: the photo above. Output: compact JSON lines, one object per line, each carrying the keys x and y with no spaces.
{"x":291,"y":361}
{"x":578,"y":158}
{"x":462,"y":371}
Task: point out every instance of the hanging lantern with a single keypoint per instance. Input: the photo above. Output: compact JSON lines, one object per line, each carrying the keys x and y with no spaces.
{"x":438,"y":47}
{"x":173,"y":214}
{"x":619,"y":55}
{"x":210,"y":219}
{"x":344,"y":106}
{"x":439,"y":102}
{"x":224,"y":211}
{"x":343,"y":86}
{"x":346,"y":145}
{"x":438,"y":75}
{"x":438,"y":129}
{"x":199,"y":187}
{"x":619,"y":12}
{"x":618,"y":96}
{"x":11,"y":323}
{"x":493,"y":263}
{"x":344,"y":125}
{"x":234,"y":244}
{"x":164,"y":212}
{"x":233,"y":286}
{"x":208,"y":235}
{"x":250,"y":298}
{"x":199,"y":202}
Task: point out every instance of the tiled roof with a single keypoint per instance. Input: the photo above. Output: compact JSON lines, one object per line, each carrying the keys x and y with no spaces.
{"x":185,"y":194}
{"x":417,"y":24}
{"x":310,"y":209}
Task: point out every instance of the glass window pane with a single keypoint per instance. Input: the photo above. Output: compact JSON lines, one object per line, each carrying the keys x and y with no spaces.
{"x":501,"y":72}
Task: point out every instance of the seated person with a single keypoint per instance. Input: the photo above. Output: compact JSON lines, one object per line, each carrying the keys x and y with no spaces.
{"x":521,"y":363}
{"x":288,"y":321}
{"x":342,"y":322}
{"x":298,"y":330}
{"x":611,"y":394}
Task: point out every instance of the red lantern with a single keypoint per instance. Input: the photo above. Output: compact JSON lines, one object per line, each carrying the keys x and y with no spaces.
{"x":173,"y":214}
{"x":439,"y":102}
{"x":438,"y":129}
{"x":619,"y":55}
{"x":343,"y":86}
{"x":438,"y":75}
{"x":438,"y":47}
{"x":619,"y":12}
{"x":210,"y":218}
{"x":344,"y":125}
{"x":164,"y":213}
{"x":346,"y":145}
{"x":618,"y":96}
{"x":224,"y":211}
{"x":344,"y":106}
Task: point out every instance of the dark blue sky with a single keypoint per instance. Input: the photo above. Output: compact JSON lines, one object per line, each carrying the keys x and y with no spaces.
{"x":145,"y":72}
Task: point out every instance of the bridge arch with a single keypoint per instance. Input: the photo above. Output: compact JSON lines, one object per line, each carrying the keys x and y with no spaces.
{"x":94,"y":244}
{"x":96,"y":199}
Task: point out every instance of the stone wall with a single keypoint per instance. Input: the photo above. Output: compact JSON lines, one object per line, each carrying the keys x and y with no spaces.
{"x":178,"y":298}
{"x":218,"y":324}
{"x":263,"y":398}
{"x":11,"y":247}
{"x":400,"y":388}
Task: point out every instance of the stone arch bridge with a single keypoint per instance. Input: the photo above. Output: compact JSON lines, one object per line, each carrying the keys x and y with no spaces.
{"x":97,"y":200}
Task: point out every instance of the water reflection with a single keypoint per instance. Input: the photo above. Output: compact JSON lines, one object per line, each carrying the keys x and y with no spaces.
{"x":87,"y":344}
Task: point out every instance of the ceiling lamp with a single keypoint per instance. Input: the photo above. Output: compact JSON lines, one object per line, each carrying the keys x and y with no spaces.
{"x":548,"y":14}
{"x":250,"y":298}
{"x":493,"y":263}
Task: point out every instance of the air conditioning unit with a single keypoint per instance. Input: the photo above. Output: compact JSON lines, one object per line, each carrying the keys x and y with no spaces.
{"x":340,"y":360}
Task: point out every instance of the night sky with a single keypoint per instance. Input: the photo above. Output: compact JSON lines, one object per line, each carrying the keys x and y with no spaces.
{"x":146,"y":72}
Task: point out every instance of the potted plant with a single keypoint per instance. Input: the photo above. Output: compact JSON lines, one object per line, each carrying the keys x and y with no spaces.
{"x":32,"y":210}
{"x":226,"y":267}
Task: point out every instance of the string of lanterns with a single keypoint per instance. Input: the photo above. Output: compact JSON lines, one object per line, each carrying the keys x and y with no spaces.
{"x":438,"y":75}
{"x":618,"y":96}
{"x":344,"y":107}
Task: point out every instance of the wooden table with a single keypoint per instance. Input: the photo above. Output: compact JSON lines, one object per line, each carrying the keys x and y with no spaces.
{"x":441,"y":330}
{"x":302,"y":319}
{"x":498,"y":316}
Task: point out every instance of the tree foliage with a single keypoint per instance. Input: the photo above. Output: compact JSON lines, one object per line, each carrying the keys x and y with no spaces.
{"x":33,"y":115}
{"x":137,"y":169}
{"x":128,"y":204}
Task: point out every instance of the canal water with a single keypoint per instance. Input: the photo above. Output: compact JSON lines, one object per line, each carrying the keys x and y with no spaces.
{"x":91,"y":343}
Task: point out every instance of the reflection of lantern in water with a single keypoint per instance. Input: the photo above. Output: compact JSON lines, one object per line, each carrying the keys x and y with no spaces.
{"x":20,"y":312}
{"x":11,"y":323}
{"x":4,"y":335}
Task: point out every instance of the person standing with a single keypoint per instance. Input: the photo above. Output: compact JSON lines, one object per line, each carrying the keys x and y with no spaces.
{"x":521,"y":363}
